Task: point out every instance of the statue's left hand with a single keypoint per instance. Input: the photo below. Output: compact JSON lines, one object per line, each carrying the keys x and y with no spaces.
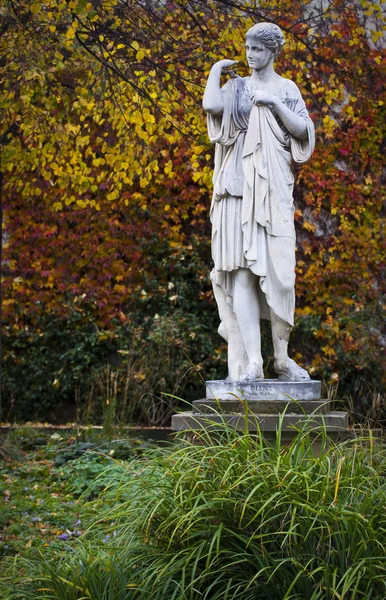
{"x":260,"y":97}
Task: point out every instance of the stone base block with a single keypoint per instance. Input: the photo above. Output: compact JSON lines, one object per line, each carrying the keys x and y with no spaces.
{"x":265,"y":407}
{"x":333,"y":421}
{"x":263,"y":389}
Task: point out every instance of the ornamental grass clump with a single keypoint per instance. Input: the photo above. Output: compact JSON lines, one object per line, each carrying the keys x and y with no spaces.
{"x":227,"y":516}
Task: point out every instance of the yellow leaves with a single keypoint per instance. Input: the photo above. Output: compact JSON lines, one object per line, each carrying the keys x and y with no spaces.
{"x":35,"y":8}
{"x":68,"y":200}
{"x":351,"y":113}
{"x":110,"y":158}
{"x":196,"y":176}
{"x":154,"y":166}
{"x":376,"y":35}
{"x":309,"y":226}
{"x":328,"y":125}
{"x":198,"y":149}
{"x":331,"y":95}
{"x":307,"y":310}
{"x":82,"y":140}
{"x":329,"y":351}
{"x":135,"y":45}
{"x":149,"y":117}
{"x":70,"y":128}
{"x":168,"y":168}
{"x":113,"y":195}
{"x":348,"y":301}
{"x":140,"y":55}
{"x":70,"y":34}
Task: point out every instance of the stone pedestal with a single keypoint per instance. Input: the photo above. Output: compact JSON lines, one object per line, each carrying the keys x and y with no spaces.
{"x":259,"y":405}
{"x":264,"y":389}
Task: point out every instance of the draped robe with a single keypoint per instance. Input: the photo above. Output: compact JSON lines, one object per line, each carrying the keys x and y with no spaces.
{"x":252,"y":210}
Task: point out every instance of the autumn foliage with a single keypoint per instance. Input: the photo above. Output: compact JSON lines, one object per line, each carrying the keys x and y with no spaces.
{"x":107,"y":188}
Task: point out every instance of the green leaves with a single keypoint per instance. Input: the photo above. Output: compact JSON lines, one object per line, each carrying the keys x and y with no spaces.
{"x":231,"y":517}
{"x":116,"y":159}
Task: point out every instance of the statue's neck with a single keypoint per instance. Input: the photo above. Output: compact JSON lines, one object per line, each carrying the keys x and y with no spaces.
{"x":263,"y":75}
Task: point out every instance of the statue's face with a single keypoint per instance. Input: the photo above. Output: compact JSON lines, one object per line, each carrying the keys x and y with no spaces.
{"x":258,"y":55}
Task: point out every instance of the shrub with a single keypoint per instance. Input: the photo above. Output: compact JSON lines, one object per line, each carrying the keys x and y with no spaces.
{"x":228,"y":517}
{"x":56,"y":364}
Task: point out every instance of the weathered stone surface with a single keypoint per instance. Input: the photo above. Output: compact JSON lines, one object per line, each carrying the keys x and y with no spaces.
{"x":274,"y":407}
{"x":263,"y":389}
{"x":333,"y":421}
{"x":252,"y":215}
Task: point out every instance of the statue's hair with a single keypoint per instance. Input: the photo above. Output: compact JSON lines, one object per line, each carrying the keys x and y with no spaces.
{"x":268,"y":34}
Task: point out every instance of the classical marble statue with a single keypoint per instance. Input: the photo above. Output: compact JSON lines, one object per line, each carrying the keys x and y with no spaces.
{"x":259,"y":124}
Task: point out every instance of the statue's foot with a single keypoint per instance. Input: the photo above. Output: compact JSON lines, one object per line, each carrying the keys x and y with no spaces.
{"x":230,"y":379}
{"x":290,"y":371}
{"x":253,"y":372}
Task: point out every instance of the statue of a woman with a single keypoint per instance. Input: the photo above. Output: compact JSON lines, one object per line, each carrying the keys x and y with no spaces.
{"x":260,"y":125}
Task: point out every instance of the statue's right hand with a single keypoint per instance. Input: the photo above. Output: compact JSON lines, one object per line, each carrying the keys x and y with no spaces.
{"x":225,"y":65}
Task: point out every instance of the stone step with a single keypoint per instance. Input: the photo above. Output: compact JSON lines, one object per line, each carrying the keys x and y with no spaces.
{"x":264,"y":389}
{"x":273,"y":407}
{"x":333,"y":421}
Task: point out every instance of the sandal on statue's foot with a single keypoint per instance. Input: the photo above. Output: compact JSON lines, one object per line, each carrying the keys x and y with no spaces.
{"x":290,"y":371}
{"x":253,"y":372}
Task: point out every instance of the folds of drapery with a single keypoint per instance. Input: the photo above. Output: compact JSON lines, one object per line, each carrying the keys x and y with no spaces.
{"x":252,"y":209}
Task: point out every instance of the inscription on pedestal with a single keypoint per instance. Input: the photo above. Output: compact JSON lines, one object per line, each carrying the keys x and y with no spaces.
{"x":262,"y":392}
{"x":270,"y":389}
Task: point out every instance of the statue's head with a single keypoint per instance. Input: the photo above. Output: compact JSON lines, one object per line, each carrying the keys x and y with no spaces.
{"x":268,"y":34}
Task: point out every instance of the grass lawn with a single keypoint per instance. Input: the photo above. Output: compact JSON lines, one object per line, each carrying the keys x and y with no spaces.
{"x":43,"y":475}
{"x":224,"y":517}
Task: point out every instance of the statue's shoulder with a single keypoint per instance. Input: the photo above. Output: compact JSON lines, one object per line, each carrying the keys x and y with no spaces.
{"x":289,"y":88}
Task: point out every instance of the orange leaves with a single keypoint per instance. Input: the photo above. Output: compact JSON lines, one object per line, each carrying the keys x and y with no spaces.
{"x":118,"y":158}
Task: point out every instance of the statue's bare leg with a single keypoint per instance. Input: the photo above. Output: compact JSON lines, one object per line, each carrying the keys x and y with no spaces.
{"x":247,"y":309}
{"x":229,"y":330}
{"x":285,"y":367}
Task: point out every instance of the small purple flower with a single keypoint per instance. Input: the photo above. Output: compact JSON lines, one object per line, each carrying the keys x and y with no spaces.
{"x":106,"y":539}
{"x":35,"y":519}
{"x":63,"y":537}
{"x":77,"y":533}
{"x":79,"y":522}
